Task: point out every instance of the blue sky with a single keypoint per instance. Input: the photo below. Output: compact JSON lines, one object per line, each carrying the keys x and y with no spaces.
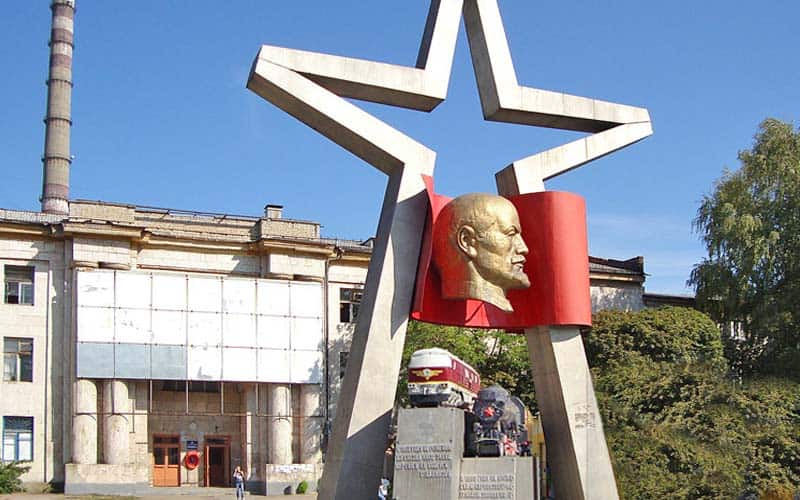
{"x":162,"y":117}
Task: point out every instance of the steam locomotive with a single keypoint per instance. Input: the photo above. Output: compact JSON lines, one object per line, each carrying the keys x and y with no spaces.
{"x":495,"y":421}
{"x":496,"y":425}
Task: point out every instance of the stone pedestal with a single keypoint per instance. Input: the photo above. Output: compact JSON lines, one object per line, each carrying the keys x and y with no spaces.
{"x":427,"y":460}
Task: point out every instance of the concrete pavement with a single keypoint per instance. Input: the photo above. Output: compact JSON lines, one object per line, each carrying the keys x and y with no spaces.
{"x":177,"y":495}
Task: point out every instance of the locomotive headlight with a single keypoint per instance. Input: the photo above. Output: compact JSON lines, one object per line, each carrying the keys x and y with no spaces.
{"x":441,"y":387}
{"x":413,"y":388}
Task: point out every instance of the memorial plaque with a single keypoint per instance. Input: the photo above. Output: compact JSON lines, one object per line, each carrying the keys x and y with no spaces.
{"x":506,"y":478}
{"x":430,"y":444}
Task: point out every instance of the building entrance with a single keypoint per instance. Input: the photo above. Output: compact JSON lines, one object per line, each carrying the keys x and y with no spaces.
{"x":217,"y":455}
{"x":166,"y":461}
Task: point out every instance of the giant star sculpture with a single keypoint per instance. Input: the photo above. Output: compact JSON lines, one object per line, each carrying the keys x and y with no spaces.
{"x":312,"y":87}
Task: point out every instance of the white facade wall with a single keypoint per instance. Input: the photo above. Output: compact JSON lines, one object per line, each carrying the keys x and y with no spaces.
{"x":341,"y":275}
{"x":34,"y":399}
{"x":620,"y":297}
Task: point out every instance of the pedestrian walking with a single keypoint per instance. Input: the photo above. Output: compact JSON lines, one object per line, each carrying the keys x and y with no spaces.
{"x":238,"y":482}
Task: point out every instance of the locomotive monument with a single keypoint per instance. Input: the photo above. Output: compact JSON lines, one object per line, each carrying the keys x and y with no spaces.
{"x":312,"y":88}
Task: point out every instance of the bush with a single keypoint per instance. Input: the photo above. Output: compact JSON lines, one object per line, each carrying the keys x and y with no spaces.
{"x":10,"y":473}
{"x":676,"y":426}
{"x":302,"y":487}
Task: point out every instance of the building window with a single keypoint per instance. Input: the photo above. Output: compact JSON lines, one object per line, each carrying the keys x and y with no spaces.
{"x":193,"y":386}
{"x":17,"y":359}
{"x":17,"y":439}
{"x":19,"y":285}
{"x":349,"y":302}
{"x":343,"y":363}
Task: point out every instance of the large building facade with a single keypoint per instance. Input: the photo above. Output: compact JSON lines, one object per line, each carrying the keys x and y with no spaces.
{"x":158,"y":348}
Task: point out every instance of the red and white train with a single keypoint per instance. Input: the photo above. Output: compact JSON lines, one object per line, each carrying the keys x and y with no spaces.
{"x":436,"y":378}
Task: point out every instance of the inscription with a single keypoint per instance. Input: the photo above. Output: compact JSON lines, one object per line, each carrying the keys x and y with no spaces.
{"x":430,"y":461}
{"x":498,"y":486}
{"x":585,"y":418}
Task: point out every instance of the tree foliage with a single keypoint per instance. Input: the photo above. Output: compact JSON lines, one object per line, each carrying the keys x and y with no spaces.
{"x":676,"y":426}
{"x":750,"y":225}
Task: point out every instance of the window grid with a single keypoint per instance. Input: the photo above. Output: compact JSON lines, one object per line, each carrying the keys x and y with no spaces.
{"x":17,"y":359}
{"x":18,"y":285}
{"x":17,"y":439}
{"x":349,"y":303}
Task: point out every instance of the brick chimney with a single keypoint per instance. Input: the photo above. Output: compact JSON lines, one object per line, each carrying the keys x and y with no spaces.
{"x":57,"y":159}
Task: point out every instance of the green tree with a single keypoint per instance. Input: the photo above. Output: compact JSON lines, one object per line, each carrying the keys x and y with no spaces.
{"x":677,"y":428}
{"x":750,"y":225}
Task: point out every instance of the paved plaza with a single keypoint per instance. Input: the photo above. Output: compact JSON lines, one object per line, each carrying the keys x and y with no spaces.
{"x":218,"y":494}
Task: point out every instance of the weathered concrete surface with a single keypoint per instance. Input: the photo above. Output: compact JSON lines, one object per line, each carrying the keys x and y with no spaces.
{"x":508,"y":478}
{"x":84,"y":426}
{"x":284,"y":479}
{"x":116,"y":413}
{"x":312,"y":423}
{"x":430,"y":445}
{"x":280,"y":424}
{"x":576,"y":445}
{"x":105,"y":479}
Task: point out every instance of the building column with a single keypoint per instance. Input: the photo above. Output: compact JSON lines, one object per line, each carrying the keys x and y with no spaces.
{"x":116,"y":432}
{"x":84,"y":422}
{"x":312,"y":425}
{"x":280,"y":424}
{"x":253,"y":450}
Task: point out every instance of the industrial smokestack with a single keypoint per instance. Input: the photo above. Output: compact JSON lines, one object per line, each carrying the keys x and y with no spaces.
{"x":57,"y":159}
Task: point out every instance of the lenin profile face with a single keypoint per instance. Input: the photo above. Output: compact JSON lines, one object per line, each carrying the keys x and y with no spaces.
{"x":478,"y":249}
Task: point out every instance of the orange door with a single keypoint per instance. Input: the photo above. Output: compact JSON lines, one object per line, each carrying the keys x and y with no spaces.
{"x":166,"y":461}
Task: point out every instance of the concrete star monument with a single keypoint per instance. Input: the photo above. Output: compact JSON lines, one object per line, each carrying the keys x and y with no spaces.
{"x":312,"y":87}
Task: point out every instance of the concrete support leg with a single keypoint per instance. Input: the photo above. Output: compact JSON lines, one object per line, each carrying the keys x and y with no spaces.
{"x":354,"y":462}
{"x":573,"y":428}
{"x":116,"y":417}
{"x":280,"y":424}
{"x":84,"y":423}
{"x":313,"y":418}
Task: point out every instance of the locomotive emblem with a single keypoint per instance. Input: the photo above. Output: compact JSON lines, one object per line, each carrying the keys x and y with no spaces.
{"x":427,"y":373}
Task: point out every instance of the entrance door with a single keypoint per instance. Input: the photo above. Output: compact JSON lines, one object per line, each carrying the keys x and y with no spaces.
{"x":166,"y":461}
{"x":217,"y":462}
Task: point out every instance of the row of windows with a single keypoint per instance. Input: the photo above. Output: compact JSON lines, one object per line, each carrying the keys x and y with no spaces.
{"x":18,"y":287}
{"x":18,"y":365}
{"x":17,"y":439}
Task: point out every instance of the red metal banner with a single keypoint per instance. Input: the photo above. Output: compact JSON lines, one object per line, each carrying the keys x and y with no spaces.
{"x":553,"y":226}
